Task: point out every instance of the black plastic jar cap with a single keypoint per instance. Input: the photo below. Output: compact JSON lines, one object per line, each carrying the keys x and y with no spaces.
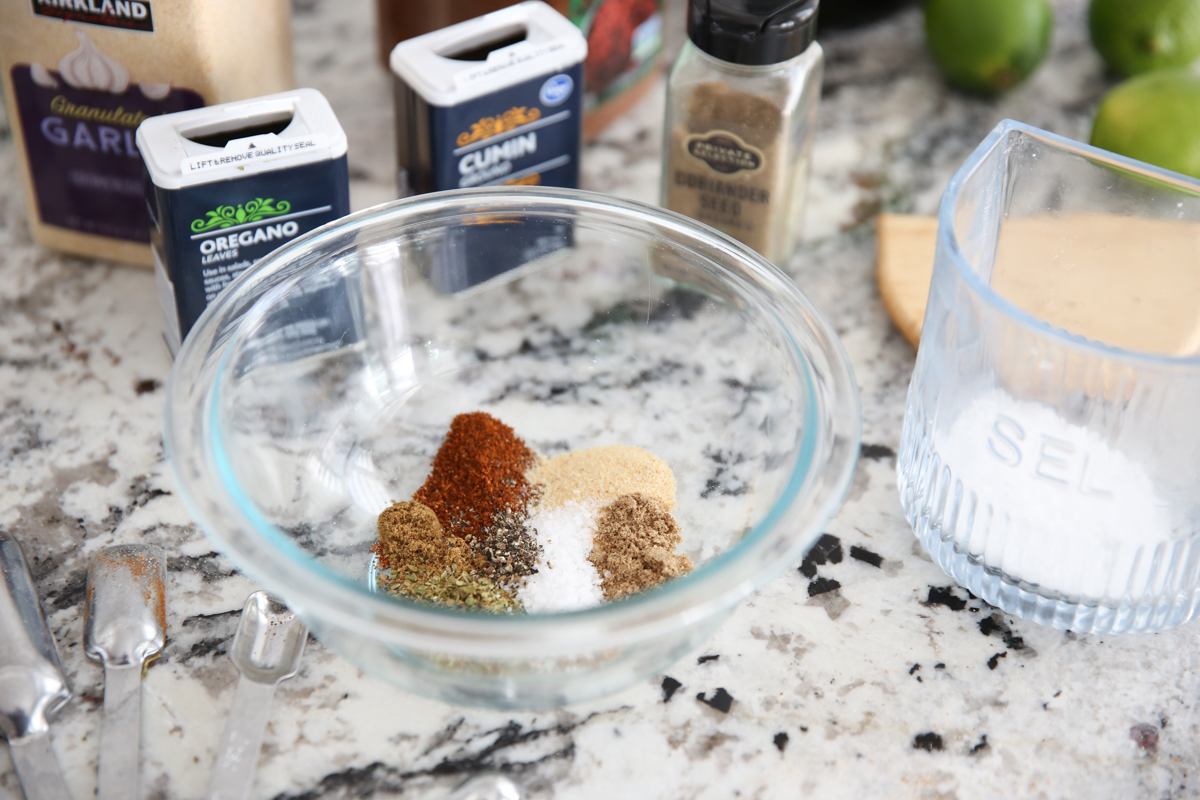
{"x":752,"y":32}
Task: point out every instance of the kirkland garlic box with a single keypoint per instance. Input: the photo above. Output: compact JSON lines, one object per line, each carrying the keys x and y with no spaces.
{"x":81,"y":75}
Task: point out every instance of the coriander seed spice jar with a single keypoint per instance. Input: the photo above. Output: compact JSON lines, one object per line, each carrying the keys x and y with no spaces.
{"x":741,"y":110}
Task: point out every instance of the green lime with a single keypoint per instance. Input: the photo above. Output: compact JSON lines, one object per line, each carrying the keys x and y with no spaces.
{"x":988,"y":46}
{"x":1136,"y":36}
{"x":1154,"y":118}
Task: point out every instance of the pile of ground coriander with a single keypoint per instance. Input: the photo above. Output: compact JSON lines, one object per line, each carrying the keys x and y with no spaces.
{"x":496,"y":528}
{"x":635,"y":543}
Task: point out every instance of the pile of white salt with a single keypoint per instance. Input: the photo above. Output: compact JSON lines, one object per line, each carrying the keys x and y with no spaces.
{"x":565,"y":580}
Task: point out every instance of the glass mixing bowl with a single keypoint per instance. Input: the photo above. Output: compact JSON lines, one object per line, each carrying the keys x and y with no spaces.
{"x":317,"y":388}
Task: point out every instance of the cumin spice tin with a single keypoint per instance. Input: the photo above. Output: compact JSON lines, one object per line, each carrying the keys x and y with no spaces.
{"x":228,"y":184}
{"x":495,"y":100}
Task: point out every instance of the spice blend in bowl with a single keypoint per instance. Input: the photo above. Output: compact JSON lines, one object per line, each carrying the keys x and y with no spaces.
{"x":477,"y":541}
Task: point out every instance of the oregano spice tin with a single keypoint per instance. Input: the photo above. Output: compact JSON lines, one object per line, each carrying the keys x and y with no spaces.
{"x":228,"y":184}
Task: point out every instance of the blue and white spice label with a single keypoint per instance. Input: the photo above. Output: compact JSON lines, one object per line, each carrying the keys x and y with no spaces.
{"x":209,"y":234}
{"x":526,"y":134}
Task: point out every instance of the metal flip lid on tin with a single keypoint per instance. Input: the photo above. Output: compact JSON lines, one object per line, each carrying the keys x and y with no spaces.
{"x":272,"y":132}
{"x":442,"y":67}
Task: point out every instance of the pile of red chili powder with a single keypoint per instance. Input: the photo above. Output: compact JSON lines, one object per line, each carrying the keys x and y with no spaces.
{"x":478,"y":473}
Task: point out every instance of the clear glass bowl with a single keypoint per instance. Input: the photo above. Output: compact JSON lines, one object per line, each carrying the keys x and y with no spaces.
{"x":318,"y":386}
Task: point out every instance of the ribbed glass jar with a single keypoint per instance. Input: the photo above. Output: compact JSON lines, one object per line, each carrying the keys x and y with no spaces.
{"x":1050,"y":447}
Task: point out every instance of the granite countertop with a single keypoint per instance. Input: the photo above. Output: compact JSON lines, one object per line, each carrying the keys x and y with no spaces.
{"x":861,"y":672}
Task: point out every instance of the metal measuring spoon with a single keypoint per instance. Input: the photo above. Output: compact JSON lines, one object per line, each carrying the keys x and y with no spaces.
{"x":32,"y":686}
{"x":125,"y":627}
{"x":487,"y":787}
{"x":266,"y":650}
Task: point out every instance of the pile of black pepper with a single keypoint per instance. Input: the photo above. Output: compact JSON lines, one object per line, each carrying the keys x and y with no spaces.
{"x":509,"y":547}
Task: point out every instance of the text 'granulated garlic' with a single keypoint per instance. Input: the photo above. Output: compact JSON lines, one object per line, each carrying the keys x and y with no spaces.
{"x":81,"y":75}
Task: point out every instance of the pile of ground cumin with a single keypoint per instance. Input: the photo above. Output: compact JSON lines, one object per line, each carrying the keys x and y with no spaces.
{"x":411,"y":537}
{"x":420,"y":561}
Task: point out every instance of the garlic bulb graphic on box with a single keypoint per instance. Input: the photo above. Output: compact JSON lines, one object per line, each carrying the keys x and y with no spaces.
{"x":87,"y":68}
{"x":41,"y":76}
{"x":154,"y":91}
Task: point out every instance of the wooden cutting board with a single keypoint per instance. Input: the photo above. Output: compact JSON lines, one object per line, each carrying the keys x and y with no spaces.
{"x":904,"y":266}
{"x":1130,"y":282}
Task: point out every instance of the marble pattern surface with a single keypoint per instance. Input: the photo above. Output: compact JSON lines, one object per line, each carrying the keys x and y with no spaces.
{"x":860,"y":672}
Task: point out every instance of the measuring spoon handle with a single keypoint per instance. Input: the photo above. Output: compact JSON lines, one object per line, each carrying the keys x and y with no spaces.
{"x":120,"y":734}
{"x":37,"y":768}
{"x":234,"y":770}
{"x":487,"y":787}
